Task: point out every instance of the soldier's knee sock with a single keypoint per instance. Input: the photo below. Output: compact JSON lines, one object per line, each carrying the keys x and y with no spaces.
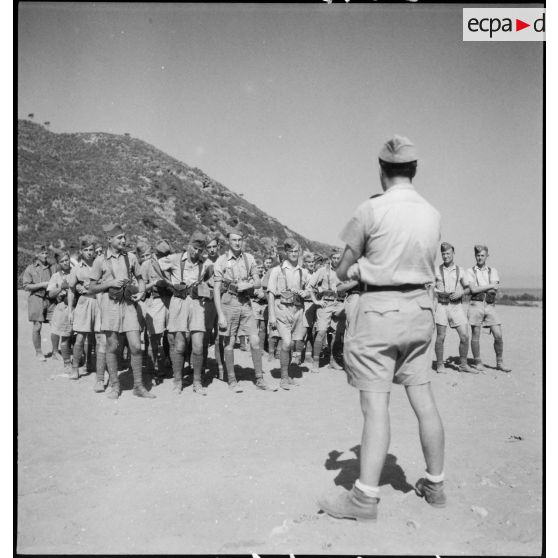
{"x":136,"y":360}
{"x":219,"y":352}
{"x":439,"y":348}
{"x":36,"y":338}
{"x":475,"y":348}
{"x":177,"y":361}
{"x":228,"y":355}
{"x":65,"y":350}
{"x":112,"y":365}
{"x":299,"y":346}
{"x":55,"y":340}
{"x":272,"y":345}
{"x":499,"y":349}
{"x":463,"y":350}
{"x":285,"y":361}
{"x":261,"y":335}
{"x":78,"y":351}
{"x":318,"y":343}
{"x":257,"y":360}
{"x":197,"y":365}
{"x":101,"y":363}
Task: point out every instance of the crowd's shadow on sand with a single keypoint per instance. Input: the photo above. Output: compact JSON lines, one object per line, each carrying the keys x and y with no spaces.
{"x":392,"y":473}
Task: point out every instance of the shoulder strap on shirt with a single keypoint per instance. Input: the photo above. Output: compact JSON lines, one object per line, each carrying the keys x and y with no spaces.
{"x":127,"y":262}
{"x":245,"y":258}
{"x":182,"y":266}
{"x":157,"y":268}
{"x":457,"y":272}
{"x":109,"y":265}
{"x":490,"y":275}
{"x":442,"y":275}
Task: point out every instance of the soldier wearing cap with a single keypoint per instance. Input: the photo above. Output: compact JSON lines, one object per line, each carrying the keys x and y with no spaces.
{"x":309,"y":311}
{"x":259,"y":305}
{"x":156,"y":307}
{"x":236,"y":277}
{"x":391,"y":243}
{"x":212,"y":334}
{"x":329,"y":305}
{"x":84,"y":313}
{"x":112,"y":275}
{"x":273,"y":337}
{"x":451,"y":284}
{"x":35,"y":281}
{"x":484,"y":283}
{"x":286,"y":290}
{"x":187,"y":318}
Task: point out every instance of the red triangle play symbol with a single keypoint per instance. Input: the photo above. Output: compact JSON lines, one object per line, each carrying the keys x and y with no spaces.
{"x":519,"y":25}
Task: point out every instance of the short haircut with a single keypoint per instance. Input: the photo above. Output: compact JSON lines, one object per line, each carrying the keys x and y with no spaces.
{"x":480,"y":248}
{"x":258,"y":261}
{"x":446,"y":246}
{"x":62,"y":254}
{"x":391,"y":170}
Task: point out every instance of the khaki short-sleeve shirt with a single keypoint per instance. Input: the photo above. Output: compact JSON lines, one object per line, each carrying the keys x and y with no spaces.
{"x":449,"y":282}
{"x":396,"y":236}
{"x":173,"y":264}
{"x":229,"y":267}
{"x":287,"y":276}
{"x":482,"y":277}
{"x":111,"y":262}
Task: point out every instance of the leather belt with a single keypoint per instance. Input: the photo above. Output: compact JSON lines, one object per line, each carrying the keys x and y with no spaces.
{"x":364,"y":288}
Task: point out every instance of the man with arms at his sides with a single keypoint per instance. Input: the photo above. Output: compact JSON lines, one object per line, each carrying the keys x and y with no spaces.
{"x":235,"y":278}
{"x":484,"y":283}
{"x":451,"y":284}
{"x":391,"y":244}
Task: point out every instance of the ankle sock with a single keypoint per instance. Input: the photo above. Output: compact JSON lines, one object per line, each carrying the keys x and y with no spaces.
{"x":371,"y":491}
{"x":434,"y":478}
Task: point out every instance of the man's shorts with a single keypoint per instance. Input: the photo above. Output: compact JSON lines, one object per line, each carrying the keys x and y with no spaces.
{"x":86,"y":314}
{"x":388,"y":339}
{"x":259,"y":309}
{"x":351,"y":304}
{"x":482,"y":314}
{"x":178,"y":314}
{"x":156,"y":314}
{"x":289,"y":321}
{"x":451,"y":314}
{"x":329,"y":315}
{"x":121,"y":317}
{"x":240,"y":318}
{"x":38,"y":308}
{"x":60,"y":323}
{"x":201,"y":314}
{"x":309,"y":314}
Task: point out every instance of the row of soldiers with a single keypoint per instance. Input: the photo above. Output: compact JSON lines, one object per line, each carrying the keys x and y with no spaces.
{"x":186,"y":300}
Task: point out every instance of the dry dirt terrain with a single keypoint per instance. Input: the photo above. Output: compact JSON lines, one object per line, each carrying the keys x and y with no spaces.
{"x":240,"y":473}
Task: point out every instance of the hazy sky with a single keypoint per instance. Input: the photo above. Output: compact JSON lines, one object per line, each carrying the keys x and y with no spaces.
{"x":289,"y":105}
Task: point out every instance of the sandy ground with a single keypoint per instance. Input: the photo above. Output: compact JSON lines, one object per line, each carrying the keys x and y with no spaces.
{"x":240,"y":473}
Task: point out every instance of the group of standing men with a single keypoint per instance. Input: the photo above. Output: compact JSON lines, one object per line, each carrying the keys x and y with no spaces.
{"x":185,"y":301}
{"x":374,"y":297}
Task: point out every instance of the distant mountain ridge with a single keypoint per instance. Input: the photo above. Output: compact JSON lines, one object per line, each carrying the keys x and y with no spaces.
{"x":69,"y":185}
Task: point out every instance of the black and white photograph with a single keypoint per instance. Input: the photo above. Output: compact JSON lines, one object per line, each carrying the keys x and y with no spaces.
{"x":280,"y":278}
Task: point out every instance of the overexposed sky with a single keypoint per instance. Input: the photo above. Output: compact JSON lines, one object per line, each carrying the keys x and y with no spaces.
{"x":289,"y":105}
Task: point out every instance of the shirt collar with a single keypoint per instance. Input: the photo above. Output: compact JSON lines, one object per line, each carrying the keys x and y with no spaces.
{"x":288,"y":265}
{"x":452,"y":267}
{"x":112,"y":254}
{"x":231,"y":256}
{"x":477,"y":268}
{"x":402,"y":186}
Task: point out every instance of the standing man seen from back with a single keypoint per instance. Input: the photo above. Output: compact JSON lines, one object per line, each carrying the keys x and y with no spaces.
{"x":391,"y":244}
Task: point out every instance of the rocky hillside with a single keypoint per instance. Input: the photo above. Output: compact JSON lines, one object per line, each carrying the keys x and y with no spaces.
{"x":71,"y":184}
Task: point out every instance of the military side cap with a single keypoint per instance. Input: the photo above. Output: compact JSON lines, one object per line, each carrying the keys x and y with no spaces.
{"x":398,"y":149}
{"x":163,"y":247}
{"x":290,"y":244}
{"x":112,"y":229}
{"x":235,"y":231}
{"x":142,"y":248}
{"x":308,"y":257}
{"x":198,"y":240}
{"x":446,"y":246}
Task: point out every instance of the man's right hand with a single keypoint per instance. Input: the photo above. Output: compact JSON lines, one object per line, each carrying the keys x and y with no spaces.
{"x":222,"y":322}
{"x":272,"y":322}
{"x":117,"y":283}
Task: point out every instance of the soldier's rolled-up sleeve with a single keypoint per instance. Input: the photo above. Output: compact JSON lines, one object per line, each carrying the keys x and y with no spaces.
{"x":96,"y":269}
{"x":27,"y":278}
{"x":218,"y":272}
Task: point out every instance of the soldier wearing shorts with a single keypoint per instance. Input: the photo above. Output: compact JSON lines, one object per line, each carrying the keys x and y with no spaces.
{"x":259,"y":306}
{"x":309,"y":311}
{"x":236,"y":277}
{"x":391,"y":243}
{"x":156,"y":306}
{"x":484,"y":283}
{"x":329,"y":306}
{"x":451,"y":284}
{"x":60,"y":326}
{"x":35,"y":281}
{"x":111,"y":276}
{"x":188,"y":320}
{"x":273,"y":337}
{"x":84,"y":314}
{"x":286,"y":291}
